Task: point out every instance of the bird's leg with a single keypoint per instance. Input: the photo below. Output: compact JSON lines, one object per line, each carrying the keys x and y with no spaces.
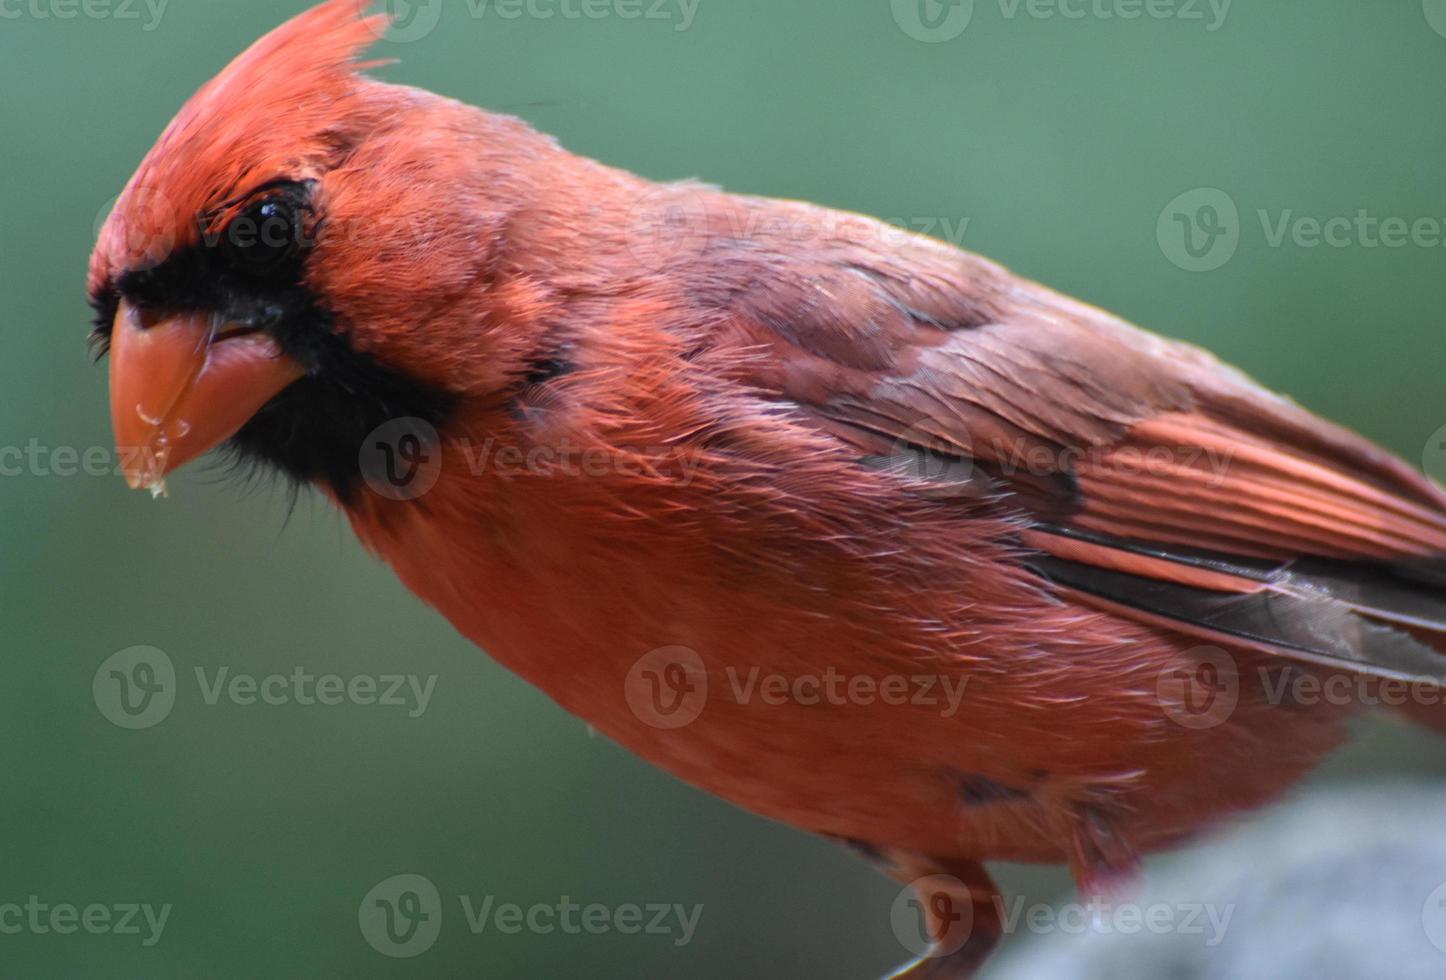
{"x":1102,"y":861}
{"x":959,"y":906}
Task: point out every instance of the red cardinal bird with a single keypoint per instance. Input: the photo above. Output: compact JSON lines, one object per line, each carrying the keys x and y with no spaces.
{"x":756,"y":487}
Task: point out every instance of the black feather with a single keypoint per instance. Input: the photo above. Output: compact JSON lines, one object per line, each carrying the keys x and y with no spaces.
{"x":1375,"y":618}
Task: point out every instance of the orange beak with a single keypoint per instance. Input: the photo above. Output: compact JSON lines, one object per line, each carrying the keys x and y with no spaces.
{"x":183,"y":385}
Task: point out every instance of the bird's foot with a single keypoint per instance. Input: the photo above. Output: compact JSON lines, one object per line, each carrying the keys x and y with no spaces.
{"x":937,"y":964}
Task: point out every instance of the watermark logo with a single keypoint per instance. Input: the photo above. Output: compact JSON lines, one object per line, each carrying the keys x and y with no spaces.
{"x":136,"y":687}
{"x":401,"y":459}
{"x":1435,"y":11}
{"x":1199,"y":231}
{"x":144,"y":231}
{"x":933,"y":916}
{"x":409,"y":20}
{"x":1202,"y":693}
{"x":401,"y":917}
{"x":933,"y":21}
{"x":1433,"y":917}
{"x":1433,"y":459}
{"x":1206,"y":691}
{"x":667,"y":688}
{"x":669,"y":224}
{"x":919,"y":454}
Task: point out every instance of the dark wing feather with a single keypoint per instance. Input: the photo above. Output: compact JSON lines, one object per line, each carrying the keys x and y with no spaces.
{"x":1358,"y":617}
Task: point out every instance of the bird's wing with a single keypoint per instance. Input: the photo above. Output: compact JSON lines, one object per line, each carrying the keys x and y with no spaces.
{"x":1154,"y":480}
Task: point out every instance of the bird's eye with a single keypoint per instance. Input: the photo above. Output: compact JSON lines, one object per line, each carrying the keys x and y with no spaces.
{"x":264,"y":238}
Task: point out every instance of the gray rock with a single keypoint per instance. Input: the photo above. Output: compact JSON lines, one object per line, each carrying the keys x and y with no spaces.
{"x":1347,"y":885}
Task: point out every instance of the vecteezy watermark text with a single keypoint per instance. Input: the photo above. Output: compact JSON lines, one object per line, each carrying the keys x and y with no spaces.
{"x":936,"y":21}
{"x":96,"y":919}
{"x":403,"y":459}
{"x":1122,"y":918}
{"x":302,"y":687}
{"x":38,"y":459}
{"x":674,"y":920}
{"x":675,"y":222}
{"x":669,"y":688}
{"x":1201,"y":230}
{"x":950,"y":907}
{"x":679,"y":13}
{"x":137,"y":688}
{"x":1205,"y":690}
{"x":402,"y":917}
{"x":149,"y":11}
{"x":1209,"y":13}
{"x":836,"y":688}
{"x":412,"y":20}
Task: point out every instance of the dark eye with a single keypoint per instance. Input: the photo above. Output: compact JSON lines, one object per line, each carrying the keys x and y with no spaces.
{"x":264,"y":238}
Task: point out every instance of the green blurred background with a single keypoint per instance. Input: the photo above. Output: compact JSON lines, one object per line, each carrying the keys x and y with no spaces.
{"x":1058,"y":140}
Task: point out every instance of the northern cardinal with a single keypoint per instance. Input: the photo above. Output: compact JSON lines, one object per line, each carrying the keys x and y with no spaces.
{"x":750,"y":485}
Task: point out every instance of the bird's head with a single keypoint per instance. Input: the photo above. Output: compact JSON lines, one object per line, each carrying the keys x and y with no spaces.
{"x":298,"y":260}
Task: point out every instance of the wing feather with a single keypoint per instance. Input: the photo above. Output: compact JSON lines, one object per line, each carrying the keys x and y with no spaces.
{"x":1155,"y":481}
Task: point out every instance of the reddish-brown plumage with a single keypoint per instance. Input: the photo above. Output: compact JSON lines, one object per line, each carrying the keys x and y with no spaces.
{"x":829,"y":446}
